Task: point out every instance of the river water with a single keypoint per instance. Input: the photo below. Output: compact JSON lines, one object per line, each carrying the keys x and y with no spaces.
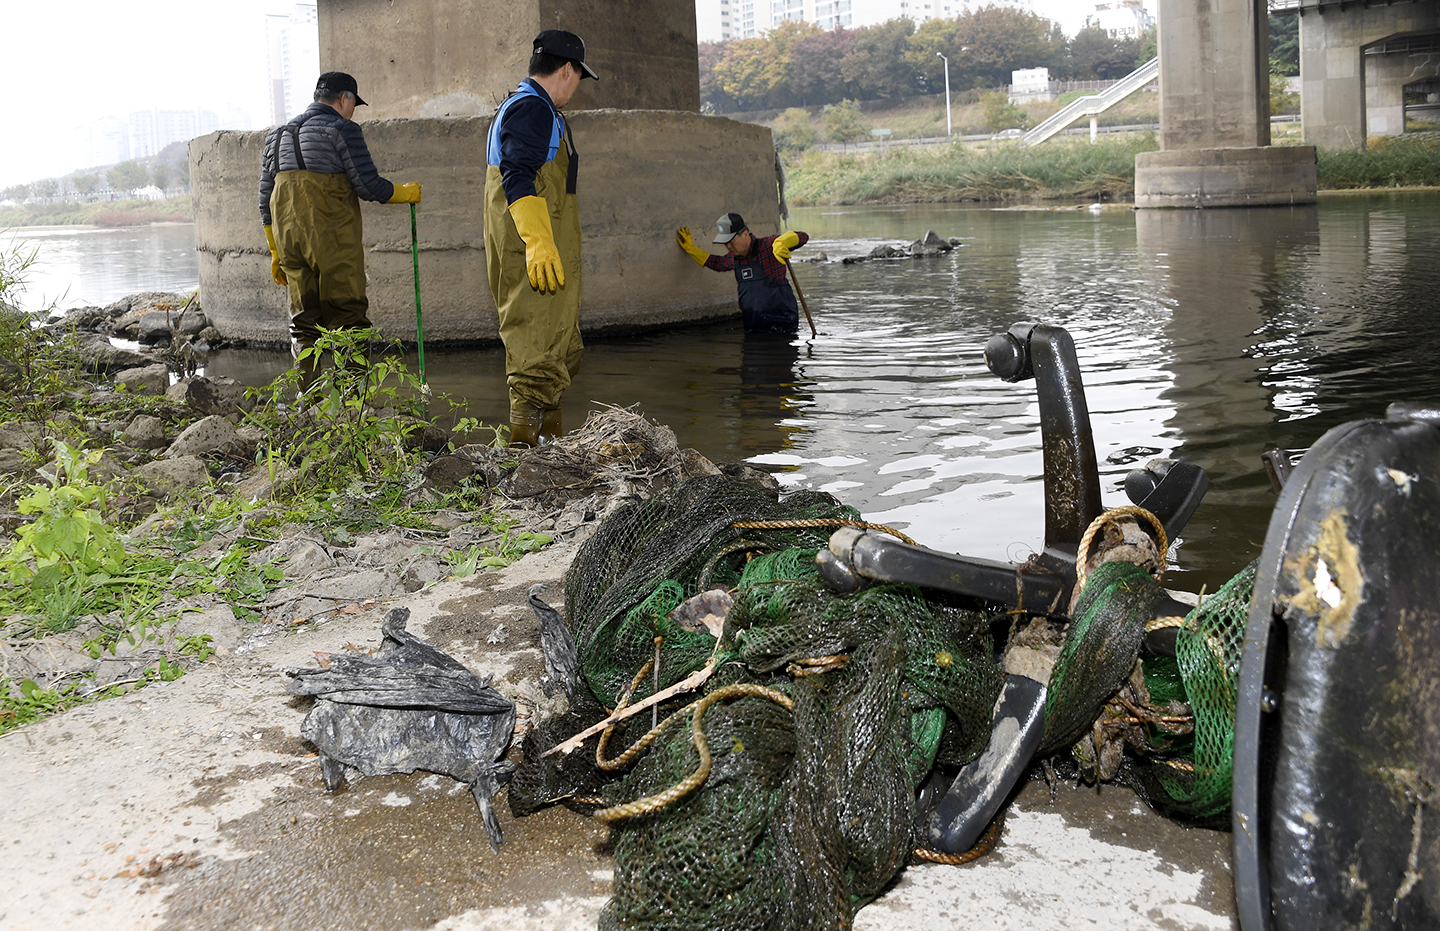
{"x":1208,"y":336}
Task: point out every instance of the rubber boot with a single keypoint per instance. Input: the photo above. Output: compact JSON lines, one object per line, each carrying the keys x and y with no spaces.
{"x":550,"y":429}
{"x":525,"y":427}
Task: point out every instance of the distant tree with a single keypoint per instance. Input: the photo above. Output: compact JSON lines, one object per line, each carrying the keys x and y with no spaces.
{"x":1285,"y":45}
{"x":1149,"y":47}
{"x":46,"y":188}
{"x":816,"y":59}
{"x":16,"y":192}
{"x":1002,"y":40}
{"x":792,"y":131}
{"x":999,"y":113}
{"x":160,"y":175}
{"x":740,"y":73}
{"x":1281,"y":100}
{"x":85,"y":185}
{"x":127,"y":176}
{"x":938,"y":36}
{"x":1096,"y":56}
{"x":182,"y":173}
{"x":876,"y":63}
{"x":844,"y":123}
{"x":712,"y":98}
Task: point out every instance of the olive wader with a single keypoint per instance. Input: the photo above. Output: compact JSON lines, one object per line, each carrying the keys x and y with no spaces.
{"x":540,"y":330}
{"x":318,"y":234}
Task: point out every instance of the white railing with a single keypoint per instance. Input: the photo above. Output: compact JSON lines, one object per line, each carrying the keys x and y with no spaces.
{"x":1095,"y":103}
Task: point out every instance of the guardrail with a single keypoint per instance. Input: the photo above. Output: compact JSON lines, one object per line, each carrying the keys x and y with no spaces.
{"x":1095,"y":103}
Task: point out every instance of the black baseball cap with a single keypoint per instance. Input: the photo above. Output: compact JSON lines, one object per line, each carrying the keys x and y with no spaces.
{"x":564,"y":44}
{"x":729,"y":226}
{"x":334,"y":83}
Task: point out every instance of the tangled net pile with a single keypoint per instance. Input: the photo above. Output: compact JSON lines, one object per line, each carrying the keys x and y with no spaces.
{"x":785,"y":797}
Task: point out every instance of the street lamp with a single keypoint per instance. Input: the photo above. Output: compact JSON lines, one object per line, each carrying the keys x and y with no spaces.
{"x":947,"y":94}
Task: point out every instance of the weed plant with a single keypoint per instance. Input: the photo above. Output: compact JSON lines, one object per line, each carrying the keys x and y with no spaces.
{"x":1388,"y":161}
{"x":939,"y":174}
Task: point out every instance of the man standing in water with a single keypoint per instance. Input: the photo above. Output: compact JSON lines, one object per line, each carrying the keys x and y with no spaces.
{"x":767,"y":305}
{"x":314,"y":171}
{"x":532,"y":235}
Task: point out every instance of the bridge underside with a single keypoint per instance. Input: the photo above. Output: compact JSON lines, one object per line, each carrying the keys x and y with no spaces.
{"x":1366,"y":68}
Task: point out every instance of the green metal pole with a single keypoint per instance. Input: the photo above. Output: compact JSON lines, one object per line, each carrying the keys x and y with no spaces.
{"x":419,"y":325}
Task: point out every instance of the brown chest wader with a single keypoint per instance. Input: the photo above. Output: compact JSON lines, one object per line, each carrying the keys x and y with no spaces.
{"x":540,"y":330}
{"x":319,"y":239}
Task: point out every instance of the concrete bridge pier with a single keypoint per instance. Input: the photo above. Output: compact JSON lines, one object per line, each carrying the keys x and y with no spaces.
{"x":1215,"y":114}
{"x":433,"y":71}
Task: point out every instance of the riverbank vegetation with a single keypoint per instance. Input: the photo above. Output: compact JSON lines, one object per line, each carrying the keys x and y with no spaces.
{"x":104,"y":550}
{"x":1061,"y":169}
{"x":106,"y":213}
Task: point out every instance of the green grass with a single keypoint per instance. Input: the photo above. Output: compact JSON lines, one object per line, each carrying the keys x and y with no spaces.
{"x":101,"y":213}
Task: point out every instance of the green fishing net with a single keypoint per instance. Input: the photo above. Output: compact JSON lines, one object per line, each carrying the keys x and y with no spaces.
{"x":808,"y":809}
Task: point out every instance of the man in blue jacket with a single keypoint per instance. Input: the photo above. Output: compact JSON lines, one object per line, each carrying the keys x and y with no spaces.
{"x":532,"y":235}
{"x":314,"y":172}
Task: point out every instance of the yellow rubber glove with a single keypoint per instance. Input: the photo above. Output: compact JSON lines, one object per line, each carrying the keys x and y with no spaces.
{"x":542,"y":259}
{"x":784,"y":243}
{"x":275,"y":271}
{"x":408,"y":193}
{"x":682,"y":236}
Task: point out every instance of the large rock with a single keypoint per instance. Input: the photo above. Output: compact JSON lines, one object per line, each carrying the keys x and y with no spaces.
{"x":145,"y":432}
{"x":128,"y":311}
{"x":145,"y":379}
{"x":219,"y":395}
{"x":168,"y":476}
{"x":207,"y":435}
{"x":98,"y":354}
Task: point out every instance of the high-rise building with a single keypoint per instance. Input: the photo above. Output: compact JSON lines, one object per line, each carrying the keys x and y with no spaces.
{"x":154,"y":129}
{"x":743,"y":19}
{"x":293,"y":41}
{"x":108,"y":141}
{"x":1122,"y":19}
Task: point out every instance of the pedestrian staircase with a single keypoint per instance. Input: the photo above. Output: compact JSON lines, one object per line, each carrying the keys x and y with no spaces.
{"x":1095,"y":103}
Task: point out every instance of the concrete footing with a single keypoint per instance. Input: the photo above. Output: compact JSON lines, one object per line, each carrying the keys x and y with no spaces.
{"x":1230,"y":177}
{"x":642,"y":174}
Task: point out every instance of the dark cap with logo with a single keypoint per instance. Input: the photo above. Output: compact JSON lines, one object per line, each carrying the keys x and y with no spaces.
{"x":335,"y":83}
{"x":729,"y":226}
{"x":564,"y":44}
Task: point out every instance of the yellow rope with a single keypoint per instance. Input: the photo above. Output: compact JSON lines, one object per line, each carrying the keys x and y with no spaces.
{"x":984,"y":845}
{"x":1129,"y":510}
{"x":821,"y":522}
{"x":653,"y":803}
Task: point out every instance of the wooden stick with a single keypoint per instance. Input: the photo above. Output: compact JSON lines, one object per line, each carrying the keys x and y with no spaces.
{"x":689,"y":683}
{"x":795,"y":278}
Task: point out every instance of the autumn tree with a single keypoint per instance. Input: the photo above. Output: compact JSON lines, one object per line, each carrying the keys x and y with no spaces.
{"x":1002,"y":40}
{"x":712,"y":98}
{"x":876,"y":63}
{"x":923,"y":50}
{"x":816,"y":60}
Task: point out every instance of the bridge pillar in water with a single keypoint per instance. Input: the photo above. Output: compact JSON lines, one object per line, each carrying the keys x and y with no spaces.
{"x":433,"y":72}
{"x":1215,"y":114}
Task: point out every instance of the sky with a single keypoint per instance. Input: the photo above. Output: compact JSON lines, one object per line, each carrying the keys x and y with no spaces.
{"x":66,"y":63}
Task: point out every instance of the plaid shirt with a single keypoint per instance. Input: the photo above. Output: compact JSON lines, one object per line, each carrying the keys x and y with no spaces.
{"x":762,"y":252}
